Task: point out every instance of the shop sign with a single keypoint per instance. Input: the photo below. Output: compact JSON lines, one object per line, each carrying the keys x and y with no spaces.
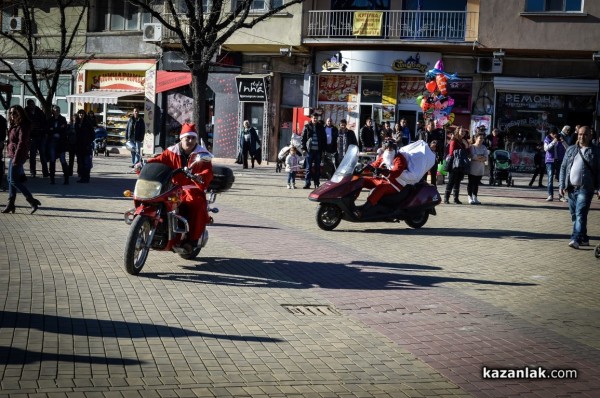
{"x":390,"y":86}
{"x":372,"y":91}
{"x":410,"y":63}
{"x":532,"y":101}
{"x":371,"y":61}
{"x":251,"y":89}
{"x":116,"y":80}
{"x":367,"y":23}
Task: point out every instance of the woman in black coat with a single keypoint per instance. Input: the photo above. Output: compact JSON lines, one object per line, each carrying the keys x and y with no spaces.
{"x":84,"y":137}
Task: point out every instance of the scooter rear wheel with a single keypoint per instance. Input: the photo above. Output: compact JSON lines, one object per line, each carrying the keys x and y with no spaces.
{"x":328,"y":216}
{"x":136,"y":245}
{"x":417,"y":220}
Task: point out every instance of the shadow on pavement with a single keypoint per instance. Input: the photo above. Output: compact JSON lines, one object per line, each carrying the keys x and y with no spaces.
{"x":18,"y":356}
{"x":467,"y":233}
{"x":305,"y":275}
{"x":108,"y":328}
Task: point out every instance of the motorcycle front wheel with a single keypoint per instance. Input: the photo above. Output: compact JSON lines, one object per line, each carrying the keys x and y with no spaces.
{"x":417,"y":220}
{"x":136,"y":245}
{"x":328,"y":216}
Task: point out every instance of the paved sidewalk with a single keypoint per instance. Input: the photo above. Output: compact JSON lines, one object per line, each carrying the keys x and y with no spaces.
{"x":275,"y":307}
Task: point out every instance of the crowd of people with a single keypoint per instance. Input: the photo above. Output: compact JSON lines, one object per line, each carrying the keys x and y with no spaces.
{"x":32,"y":135}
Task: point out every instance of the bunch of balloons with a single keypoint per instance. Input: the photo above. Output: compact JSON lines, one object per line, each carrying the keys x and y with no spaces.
{"x":437,"y":105}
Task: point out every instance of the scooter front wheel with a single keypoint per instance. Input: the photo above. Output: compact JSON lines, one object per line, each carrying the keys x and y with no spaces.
{"x":328,"y":216}
{"x":137,"y":245}
{"x":417,"y":220}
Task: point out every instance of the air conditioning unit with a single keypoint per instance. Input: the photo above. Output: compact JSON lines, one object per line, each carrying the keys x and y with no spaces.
{"x":15,"y":24}
{"x":489,"y":65}
{"x":152,"y":32}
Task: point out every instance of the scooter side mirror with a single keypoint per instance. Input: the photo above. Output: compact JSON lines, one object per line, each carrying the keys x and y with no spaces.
{"x":202,"y":157}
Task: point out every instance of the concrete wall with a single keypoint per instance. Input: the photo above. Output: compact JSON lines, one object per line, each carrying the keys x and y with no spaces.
{"x":503,"y":25}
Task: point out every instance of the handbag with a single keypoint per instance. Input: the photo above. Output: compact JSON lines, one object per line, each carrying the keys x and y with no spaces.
{"x":461,"y":161}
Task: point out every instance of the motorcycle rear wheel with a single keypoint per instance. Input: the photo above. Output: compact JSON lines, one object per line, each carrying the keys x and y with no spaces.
{"x":417,"y":220}
{"x":136,"y":245}
{"x":328,"y":216}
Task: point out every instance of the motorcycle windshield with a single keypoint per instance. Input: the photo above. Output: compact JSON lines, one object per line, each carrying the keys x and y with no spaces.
{"x":153,"y":177}
{"x":348,"y":164}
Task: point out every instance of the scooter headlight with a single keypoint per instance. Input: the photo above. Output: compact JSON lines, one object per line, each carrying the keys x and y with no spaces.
{"x":147,"y":189}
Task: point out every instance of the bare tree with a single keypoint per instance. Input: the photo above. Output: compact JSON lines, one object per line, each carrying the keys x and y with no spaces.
{"x":44,"y":43}
{"x":202,"y":32}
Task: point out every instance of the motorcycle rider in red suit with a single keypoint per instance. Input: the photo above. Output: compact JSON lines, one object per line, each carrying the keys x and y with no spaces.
{"x":193,"y":201}
{"x":393,"y":164}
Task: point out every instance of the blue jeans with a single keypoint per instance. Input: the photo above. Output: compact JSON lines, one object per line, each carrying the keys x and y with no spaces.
{"x":14,"y":180}
{"x":550,"y":172}
{"x":291,"y":177}
{"x":579,"y":206}
{"x":313,"y":167}
{"x":136,"y":156}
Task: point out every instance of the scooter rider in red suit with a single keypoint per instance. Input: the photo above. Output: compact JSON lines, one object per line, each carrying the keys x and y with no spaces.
{"x":193,"y":201}
{"x":390,"y":163}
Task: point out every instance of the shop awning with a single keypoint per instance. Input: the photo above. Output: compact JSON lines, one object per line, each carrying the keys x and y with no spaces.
{"x":169,"y":80}
{"x":101,"y":96}
{"x":546,"y":86}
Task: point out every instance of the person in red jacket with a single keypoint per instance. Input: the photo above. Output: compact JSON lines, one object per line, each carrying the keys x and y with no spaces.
{"x":392,"y":163}
{"x":193,"y":205}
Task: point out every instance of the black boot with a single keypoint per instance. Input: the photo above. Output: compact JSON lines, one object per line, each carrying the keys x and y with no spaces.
{"x":34,"y":204}
{"x":66,"y":180}
{"x":361,"y":210}
{"x":531,"y":182}
{"x":456,"y":201}
{"x":10,"y":206}
{"x":447,"y":197}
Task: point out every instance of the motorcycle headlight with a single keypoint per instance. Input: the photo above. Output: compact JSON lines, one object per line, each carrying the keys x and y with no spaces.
{"x":147,"y":189}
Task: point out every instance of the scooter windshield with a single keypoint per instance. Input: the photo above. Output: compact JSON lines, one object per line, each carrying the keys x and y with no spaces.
{"x":152,"y":180}
{"x":346,"y":167}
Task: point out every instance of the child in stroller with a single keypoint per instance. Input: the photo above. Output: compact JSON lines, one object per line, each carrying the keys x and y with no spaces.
{"x":100,"y":144}
{"x":295,"y":141}
{"x":502,"y":166}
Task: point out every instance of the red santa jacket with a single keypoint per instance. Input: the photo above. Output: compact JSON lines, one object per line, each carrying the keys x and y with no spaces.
{"x":399,"y":165}
{"x":172,"y":158}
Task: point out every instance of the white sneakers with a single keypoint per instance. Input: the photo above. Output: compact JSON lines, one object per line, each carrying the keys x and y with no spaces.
{"x":291,"y":186}
{"x":549,"y":198}
{"x":473,"y":200}
{"x":574,"y":244}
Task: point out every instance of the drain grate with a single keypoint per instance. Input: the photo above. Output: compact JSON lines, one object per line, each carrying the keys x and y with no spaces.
{"x":309,"y":309}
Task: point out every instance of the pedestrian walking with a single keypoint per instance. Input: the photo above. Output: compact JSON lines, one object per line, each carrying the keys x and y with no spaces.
{"x":38,"y":137}
{"x":84,"y":137}
{"x":249,"y":144}
{"x":57,"y":144}
{"x":134,"y":132}
{"x":19,"y":143}
{"x":292,"y":165}
{"x":555,"y":151}
{"x":314,"y":142}
{"x":479,"y":155}
{"x":580,"y":181}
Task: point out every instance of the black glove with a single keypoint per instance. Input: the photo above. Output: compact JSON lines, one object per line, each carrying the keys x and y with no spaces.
{"x":385,"y":172}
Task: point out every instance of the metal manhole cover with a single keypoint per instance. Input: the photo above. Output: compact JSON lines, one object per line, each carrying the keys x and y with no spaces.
{"x":308,"y":309}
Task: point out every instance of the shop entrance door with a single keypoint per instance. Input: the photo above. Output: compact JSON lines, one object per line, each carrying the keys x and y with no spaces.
{"x":254,"y":112}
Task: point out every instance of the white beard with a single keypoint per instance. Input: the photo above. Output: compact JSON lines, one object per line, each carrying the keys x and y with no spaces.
{"x":388,"y":159}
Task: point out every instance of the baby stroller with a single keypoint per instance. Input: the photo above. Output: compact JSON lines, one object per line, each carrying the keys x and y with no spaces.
{"x":295,"y":141}
{"x":100,"y":144}
{"x":502,"y":165}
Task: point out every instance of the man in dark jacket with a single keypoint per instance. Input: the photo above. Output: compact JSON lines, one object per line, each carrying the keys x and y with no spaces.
{"x":57,"y":143}
{"x":367,"y":137}
{"x":84,"y":137}
{"x":39,"y":130}
{"x":3,"y":130}
{"x":314,"y":142}
{"x":345,"y":139}
{"x":135,"y":134}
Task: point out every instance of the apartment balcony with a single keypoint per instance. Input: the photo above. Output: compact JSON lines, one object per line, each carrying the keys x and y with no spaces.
{"x":392,"y":26}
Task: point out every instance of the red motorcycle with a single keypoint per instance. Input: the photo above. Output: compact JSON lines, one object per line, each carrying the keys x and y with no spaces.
{"x":337,"y":197}
{"x":155,"y":220}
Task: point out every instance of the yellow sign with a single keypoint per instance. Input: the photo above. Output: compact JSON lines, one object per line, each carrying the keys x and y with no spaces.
{"x":367,"y":23}
{"x":390,"y":87}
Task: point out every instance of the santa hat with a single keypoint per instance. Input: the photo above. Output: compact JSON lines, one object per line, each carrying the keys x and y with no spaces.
{"x":188,"y":129}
